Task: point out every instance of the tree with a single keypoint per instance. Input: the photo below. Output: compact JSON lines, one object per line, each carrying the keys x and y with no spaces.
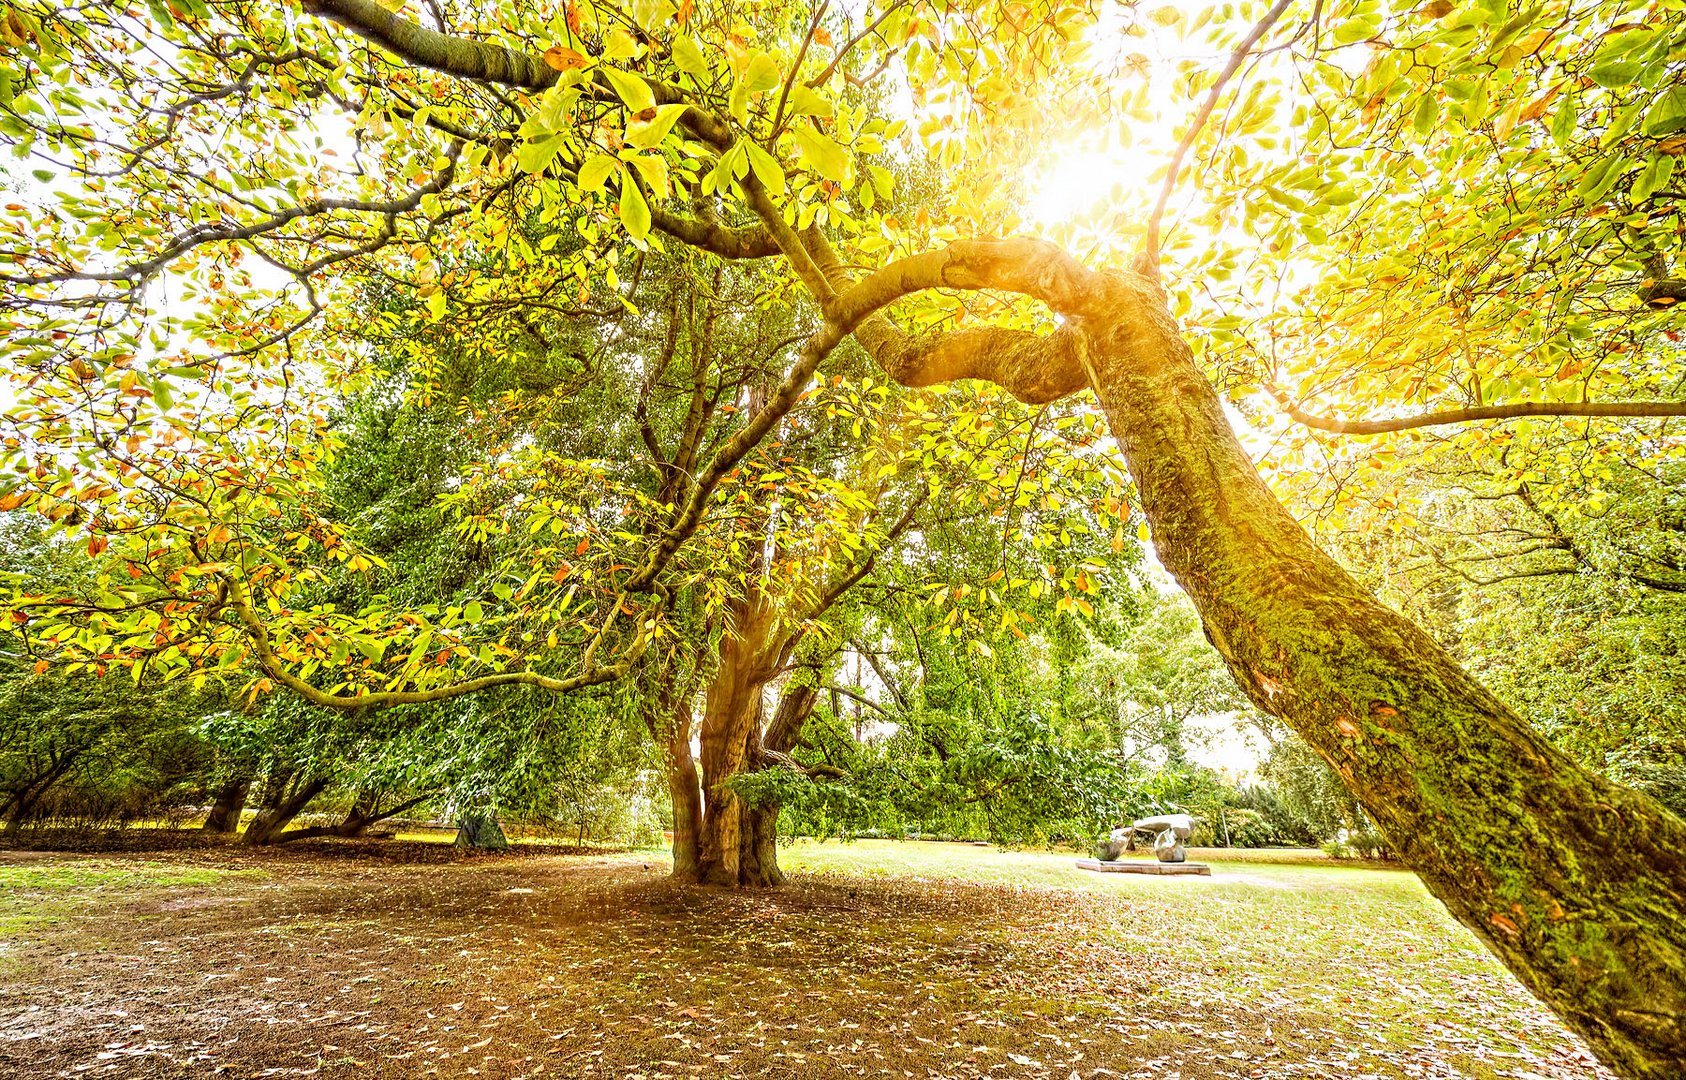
{"x":696,"y":113}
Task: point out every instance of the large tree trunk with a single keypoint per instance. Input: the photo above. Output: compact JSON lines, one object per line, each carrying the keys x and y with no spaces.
{"x":1577,"y":884}
{"x":229,"y":805}
{"x":731,"y":744}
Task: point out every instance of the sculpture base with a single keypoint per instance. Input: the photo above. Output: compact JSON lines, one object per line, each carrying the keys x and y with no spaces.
{"x":1140,"y":867}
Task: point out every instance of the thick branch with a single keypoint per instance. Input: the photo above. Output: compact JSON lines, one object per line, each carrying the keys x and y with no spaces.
{"x":462,"y":57}
{"x":712,"y":237}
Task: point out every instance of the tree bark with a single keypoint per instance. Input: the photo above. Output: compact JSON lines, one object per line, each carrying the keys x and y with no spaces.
{"x":24,"y":800}
{"x":685,"y":792}
{"x":781,"y":736}
{"x":1577,"y":884}
{"x":731,"y":743}
{"x":230,"y":803}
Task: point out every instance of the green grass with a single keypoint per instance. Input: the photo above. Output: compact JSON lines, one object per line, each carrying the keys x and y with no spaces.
{"x":38,"y":893}
{"x":1313,"y":933}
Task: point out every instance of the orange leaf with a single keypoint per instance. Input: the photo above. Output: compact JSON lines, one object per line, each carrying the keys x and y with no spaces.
{"x":563,"y":58}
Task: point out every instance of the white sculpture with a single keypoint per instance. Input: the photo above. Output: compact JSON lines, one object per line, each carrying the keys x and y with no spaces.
{"x":1170,"y":831}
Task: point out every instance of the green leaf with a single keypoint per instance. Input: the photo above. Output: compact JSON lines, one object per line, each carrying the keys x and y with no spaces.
{"x":1427,"y":113}
{"x":534,"y":157}
{"x":765,"y":166}
{"x":761,"y":75}
{"x":1600,"y":179}
{"x":619,"y":45}
{"x":635,"y":212}
{"x":1656,"y":175}
{"x":162,"y":397}
{"x":1359,"y":29}
{"x":648,"y":135}
{"x":654,"y":171}
{"x":596,"y":170}
{"x":1615,"y":75}
{"x":473,"y":612}
{"x":823,"y":155}
{"x":687,"y":57}
{"x":1563,"y":123}
{"x":1668,"y":115}
{"x":630,"y":88}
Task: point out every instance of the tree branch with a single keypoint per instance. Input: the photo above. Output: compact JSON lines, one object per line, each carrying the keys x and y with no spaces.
{"x":1149,"y":261}
{"x":1482,"y":412}
{"x":463,"y":57}
{"x":272,"y":665}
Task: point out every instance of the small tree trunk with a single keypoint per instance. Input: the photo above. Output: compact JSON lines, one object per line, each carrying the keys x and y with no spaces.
{"x":685,"y":792}
{"x":782,"y":734}
{"x":24,"y":801}
{"x":480,"y":832}
{"x":229,"y":805}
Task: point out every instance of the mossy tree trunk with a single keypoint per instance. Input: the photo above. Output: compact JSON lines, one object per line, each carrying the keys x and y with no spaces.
{"x":1576,"y":883}
{"x":480,"y":831}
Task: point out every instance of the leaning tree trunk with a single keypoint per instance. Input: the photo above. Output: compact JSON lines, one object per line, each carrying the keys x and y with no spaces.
{"x":23,"y":802}
{"x":230,"y":803}
{"x":1576,"y":883}
{"x":283,"y":803}
{"x":731,"y":744}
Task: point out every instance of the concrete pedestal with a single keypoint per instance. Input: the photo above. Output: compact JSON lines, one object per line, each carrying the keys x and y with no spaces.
{"x":1142,"y":867}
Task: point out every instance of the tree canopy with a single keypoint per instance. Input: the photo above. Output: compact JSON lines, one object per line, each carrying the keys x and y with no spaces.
{"x":1363,"y":219}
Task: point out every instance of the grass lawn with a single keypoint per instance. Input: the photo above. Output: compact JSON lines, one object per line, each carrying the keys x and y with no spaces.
{"x":879,"y":959}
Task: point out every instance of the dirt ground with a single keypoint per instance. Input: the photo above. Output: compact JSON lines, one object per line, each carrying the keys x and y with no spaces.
{"x":323,"y":961}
